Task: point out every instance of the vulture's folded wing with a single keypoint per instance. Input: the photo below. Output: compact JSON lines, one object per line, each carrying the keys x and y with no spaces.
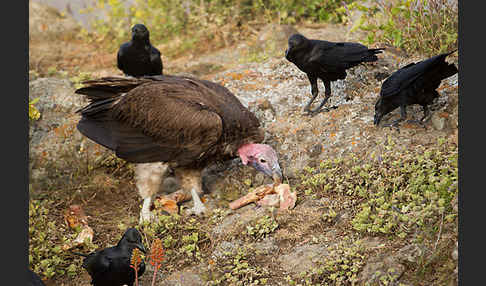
{"x":154,"y":123}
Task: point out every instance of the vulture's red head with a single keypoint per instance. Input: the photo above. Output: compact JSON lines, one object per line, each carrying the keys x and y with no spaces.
{"x":263,"y":158}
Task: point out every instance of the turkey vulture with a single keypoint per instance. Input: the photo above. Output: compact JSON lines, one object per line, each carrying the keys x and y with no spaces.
{"x":414,"y":83}
{"x":175,"y":121}
{"x":327,"y":61}
{"x":111,"y":266}
{"x":138,"y":57}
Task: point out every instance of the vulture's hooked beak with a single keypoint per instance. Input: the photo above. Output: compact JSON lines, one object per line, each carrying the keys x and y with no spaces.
{"x":277,"y":174}
{"x":274,"y":172}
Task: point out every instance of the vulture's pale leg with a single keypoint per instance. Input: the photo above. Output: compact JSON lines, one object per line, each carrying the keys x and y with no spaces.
{"x":198,"y":207}
{"x":191,"y":181}
{"x":314,"y":91}
{"x":148,"y":177}
{"x":327,"y":85}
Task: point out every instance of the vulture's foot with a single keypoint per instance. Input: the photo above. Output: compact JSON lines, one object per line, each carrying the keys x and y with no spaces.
{"x":198,"y":209}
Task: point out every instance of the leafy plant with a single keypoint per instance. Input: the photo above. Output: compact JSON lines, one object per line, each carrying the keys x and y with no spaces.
{"x":262,"y":227}
{"x":34,"y":114}
{"x":426,"y":26}
{"x":399,"y":193}
{"x":46,"y":256}
{"x":219,"y":22}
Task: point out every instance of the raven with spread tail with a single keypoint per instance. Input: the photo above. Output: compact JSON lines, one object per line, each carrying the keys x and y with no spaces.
{"x":415,"y":83}
{"x":327,"y":61}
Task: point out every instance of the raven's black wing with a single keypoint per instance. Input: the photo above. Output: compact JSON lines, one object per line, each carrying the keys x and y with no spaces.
{"x":427,"y":73}
{"x":156,"y":62}
{"x":336,"y":57}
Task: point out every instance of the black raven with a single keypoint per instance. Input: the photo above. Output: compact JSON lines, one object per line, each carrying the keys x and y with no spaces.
{"x":327,"y":61}
{"x":138,"y":57}
{"x":111,"y":266}
{"x":414,"y":83}
{"x":34,"y":279}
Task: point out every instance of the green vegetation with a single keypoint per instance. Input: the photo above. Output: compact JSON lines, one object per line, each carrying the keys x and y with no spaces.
{"x":262,"y":227}
{"x":400,"y":193}
{"x":182,"y":237}
{"x":426,"y":26}
{"x":215,"y":23}
{"x":34,"y":114}
{"x":46,"y":256}
{"x":343,"y":265}
{"x":240,"y":269}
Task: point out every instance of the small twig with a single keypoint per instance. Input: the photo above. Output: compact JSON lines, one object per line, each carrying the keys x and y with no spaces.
{"x":440,"y":231}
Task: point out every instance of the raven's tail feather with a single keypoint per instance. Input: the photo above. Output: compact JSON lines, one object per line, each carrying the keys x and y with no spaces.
{"x":370,"y":55}
{"x":80,"y":254}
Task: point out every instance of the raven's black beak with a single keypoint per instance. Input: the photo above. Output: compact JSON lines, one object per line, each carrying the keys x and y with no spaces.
{"x":286,"y":52}
{"x":377,"y":119}
{"x":141,"y":247}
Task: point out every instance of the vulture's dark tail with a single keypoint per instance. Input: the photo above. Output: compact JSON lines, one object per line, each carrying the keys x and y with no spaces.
{"x":109,"y":87}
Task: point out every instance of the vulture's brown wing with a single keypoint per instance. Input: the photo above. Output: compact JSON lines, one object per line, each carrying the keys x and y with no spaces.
{"x":155,"y":122}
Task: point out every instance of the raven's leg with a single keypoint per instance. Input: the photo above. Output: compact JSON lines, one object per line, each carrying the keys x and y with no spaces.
{"x":420,"y":122}
{"x":148,"y":177}
{"x":327,"y":85}
{"x":426,"y":112}
{"x":314,"y":90}
{"x":403,"y":116}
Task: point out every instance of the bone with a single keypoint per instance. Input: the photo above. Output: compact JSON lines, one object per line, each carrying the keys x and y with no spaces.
{"x":251,"y":197}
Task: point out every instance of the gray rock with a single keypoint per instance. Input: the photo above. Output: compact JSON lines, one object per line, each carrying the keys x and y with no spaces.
{"x":382,"y":265}
{"x":267,"y":246}
{"x":455,"y":252}
{"x":55,"y":145}
{"x":315,"y":150}
{"x":438,"y":121}
{"x":225,"y":248}
{"x":187,"y":277}
{"x":411,"y":253}
{"x":302,"y":258}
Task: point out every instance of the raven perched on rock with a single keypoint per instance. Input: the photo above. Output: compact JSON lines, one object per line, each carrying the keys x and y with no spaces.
{"x":111,"y":266}
{"x":327,"y":61}
{"x":414,"y":83}
{"x":138,"y":57}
